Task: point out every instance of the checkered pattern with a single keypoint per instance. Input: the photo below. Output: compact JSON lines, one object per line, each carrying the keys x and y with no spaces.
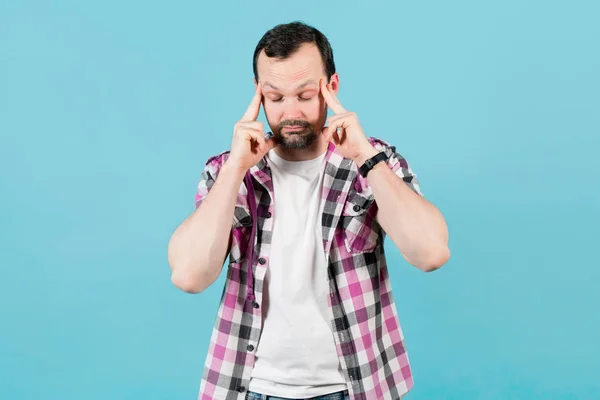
{"x":367,"y":332}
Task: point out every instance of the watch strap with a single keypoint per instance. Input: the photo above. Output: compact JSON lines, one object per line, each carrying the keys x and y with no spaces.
{"x":371,"y":162}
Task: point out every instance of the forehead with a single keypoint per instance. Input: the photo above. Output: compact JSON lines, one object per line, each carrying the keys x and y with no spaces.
{"x":304,"y":64}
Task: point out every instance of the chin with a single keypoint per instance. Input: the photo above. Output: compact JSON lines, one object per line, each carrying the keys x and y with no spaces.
{"x":297,"y":140}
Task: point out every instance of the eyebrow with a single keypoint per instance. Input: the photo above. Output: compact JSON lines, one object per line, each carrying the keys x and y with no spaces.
{"x":301,"y":86}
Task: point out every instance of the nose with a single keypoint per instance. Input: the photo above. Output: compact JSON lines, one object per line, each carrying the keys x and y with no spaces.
{"x":292,"y":110}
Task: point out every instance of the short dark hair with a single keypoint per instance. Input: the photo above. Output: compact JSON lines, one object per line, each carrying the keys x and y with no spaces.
{"x":284,"y":39}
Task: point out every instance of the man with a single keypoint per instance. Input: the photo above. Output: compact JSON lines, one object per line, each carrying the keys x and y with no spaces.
{"x":307,"y":309}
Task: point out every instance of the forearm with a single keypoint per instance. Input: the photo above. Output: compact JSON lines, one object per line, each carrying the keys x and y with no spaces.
{"x":199,"y":246}
{"x":415,"y":225}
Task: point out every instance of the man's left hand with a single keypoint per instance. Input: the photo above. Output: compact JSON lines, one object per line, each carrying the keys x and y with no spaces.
{"x":350,"y":139}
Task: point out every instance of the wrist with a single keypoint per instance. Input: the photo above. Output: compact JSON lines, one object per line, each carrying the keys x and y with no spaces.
{"x":365,"y":154}
{"x":234,"y":169}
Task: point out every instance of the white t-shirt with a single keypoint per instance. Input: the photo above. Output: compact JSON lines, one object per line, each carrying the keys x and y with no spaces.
{"x":296,"y":355}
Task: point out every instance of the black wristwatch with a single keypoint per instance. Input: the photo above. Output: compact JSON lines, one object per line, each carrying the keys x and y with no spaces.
{"x":371,"y":162}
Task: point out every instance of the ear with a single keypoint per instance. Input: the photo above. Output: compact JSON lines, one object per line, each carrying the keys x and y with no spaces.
{"x":334,"y":81}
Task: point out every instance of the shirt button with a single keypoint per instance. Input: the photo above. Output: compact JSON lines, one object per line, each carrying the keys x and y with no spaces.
{"x":241,"y":389}
{"x":268,"y":215}
{"x":250,"y":347}
{"x":356,"y":208}
{"x":262,"y":261}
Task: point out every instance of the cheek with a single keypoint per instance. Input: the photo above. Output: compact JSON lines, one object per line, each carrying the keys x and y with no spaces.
{"x":273,"y":112}
{"x":312,"y":109}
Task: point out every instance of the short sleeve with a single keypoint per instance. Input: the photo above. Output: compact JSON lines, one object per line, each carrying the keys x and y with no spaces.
{"x":209,"y":176}
{"x":398,"y":164}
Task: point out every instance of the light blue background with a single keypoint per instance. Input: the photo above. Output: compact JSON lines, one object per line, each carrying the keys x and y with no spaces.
{"x":108,"y":111}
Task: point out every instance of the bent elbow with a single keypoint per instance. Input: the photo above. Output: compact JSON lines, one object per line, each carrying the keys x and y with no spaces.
{"x":187,"y":283}
{"x":436,"y":260}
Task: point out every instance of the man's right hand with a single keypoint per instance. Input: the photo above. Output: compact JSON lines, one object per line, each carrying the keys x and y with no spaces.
{"x":248,"y":146}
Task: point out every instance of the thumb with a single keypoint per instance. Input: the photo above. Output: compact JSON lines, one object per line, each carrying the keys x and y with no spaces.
{"x":270,"y":143}
{"x":325,"y":134}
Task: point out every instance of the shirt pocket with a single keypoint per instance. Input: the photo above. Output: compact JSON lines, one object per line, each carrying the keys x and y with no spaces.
{"x":358,"y":222}
{"x":241,"y":217}
{"x":241,"y":230}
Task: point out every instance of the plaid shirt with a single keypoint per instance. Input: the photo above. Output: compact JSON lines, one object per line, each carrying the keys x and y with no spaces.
{"x":367,"y":332}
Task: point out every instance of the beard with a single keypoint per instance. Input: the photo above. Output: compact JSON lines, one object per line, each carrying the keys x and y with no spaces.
{"x":300,"y":139}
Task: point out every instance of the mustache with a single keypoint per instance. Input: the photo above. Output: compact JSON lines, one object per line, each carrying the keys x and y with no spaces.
{"x":293,"y":122}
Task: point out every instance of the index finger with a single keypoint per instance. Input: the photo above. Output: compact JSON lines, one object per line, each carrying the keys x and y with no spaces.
{"x":254,"y":107}
{"x":331,"y":100}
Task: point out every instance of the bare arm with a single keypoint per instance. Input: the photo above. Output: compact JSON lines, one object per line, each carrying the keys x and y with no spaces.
{"x":199,"y":246}
{"x":415,"y":225}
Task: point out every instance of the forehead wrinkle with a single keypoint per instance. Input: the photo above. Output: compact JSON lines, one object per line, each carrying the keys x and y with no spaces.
{"x":299,"y":87}
{"x":278,"y":74}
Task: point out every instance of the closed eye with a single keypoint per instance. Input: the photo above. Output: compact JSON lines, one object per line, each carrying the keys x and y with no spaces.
{"x":306,"y":97}
{"x":280,"y":99}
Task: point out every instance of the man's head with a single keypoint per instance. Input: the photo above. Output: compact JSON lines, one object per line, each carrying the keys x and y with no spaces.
{"x":289,"y":61}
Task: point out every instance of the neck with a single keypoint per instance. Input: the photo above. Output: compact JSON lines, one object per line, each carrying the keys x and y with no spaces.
{"x":316,"y":149}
